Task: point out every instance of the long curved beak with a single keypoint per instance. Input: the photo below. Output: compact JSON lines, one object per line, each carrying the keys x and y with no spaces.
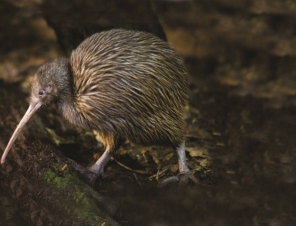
{"x":31,"y":110}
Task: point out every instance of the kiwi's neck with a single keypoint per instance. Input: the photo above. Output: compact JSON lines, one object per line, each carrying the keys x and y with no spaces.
{"x":70,"y":113}
{"x":66,"y":100}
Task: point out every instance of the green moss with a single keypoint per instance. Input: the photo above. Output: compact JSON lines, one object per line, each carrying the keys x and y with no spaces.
{"x":89,"y":206}
{"x":85,"y":208}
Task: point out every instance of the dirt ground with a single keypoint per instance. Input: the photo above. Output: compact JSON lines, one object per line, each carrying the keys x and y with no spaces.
{"x":240,"y":138}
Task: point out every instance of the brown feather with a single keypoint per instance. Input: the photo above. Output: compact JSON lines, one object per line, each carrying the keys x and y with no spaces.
{"x":132,"y":85}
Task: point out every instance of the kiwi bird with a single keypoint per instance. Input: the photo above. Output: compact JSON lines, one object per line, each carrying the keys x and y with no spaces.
{"x":125,"y":85}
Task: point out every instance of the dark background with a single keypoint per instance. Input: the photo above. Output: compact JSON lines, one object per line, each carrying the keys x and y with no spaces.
{"x":241,"y":120}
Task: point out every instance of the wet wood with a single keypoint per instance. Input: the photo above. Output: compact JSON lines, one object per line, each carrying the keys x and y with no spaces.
{"x":46,"y":188}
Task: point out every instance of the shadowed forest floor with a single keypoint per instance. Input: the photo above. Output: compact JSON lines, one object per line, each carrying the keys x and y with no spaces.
{"x":240,"y":138}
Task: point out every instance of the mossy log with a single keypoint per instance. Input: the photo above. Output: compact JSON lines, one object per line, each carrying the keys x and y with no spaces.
{"x":46,"y":188}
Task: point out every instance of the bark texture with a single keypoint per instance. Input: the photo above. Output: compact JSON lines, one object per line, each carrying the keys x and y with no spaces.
{"x":47,"y":190}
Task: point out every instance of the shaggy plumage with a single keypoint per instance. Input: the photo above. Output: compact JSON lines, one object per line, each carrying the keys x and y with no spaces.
{"x":123,"y":84}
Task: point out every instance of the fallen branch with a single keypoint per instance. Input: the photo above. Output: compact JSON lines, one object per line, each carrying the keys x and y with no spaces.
{"x":47,"y":190}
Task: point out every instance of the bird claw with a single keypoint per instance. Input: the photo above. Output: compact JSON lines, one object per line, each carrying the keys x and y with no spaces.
{"x":90,"y":177}
{"x":181,"y":178}
{"x":188,"y":176}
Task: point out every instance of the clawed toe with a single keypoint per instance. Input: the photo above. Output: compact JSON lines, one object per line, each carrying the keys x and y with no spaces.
{"x":183,"y":179}
{"x":90,"y":177}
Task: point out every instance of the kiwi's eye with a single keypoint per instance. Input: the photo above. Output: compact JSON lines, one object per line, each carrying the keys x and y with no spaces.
{"x":41,"y":92}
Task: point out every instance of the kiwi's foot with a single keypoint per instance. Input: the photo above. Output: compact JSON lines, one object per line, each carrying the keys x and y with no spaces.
{"x":182,"y":179}
{"x":90,"y":177}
